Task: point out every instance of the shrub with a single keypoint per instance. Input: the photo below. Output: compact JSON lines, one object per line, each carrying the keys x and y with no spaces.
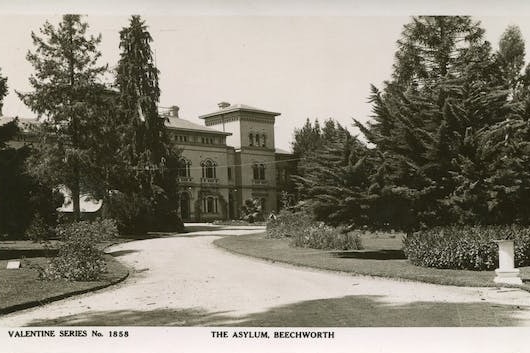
{"x":136,"y":214}
{"x":287,"y":224}
{"x":132,"y":212}
{"x":465,"y":247}
{"x":303,"y":232}
{"x":38,"y":230}
{"x":321,"y":236}
{"x":252,"y":211}
{"x":79,"y":259}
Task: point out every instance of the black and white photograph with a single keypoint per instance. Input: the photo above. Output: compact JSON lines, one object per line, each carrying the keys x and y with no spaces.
{"x":252,"y":177}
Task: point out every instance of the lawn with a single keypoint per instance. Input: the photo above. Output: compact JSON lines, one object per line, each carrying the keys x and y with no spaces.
{"x":381,"y":257}
{"x":22,"y":288}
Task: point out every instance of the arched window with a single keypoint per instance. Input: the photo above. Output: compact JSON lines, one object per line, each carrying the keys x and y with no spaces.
{"x":257,"y":140}
{"x":209,"y":204}
{"x":255,"y":171}
{"x":184,"y":168}
{"x":251,"y":139}
{"x":208,"y":169}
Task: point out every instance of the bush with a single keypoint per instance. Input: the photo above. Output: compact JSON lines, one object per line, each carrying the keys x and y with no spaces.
{"x":303,"y":232}
{"x":136,"y":214}
{"x":252,"y":211}
{"x":321,"y":236}
{"x":38,"y":230}
{"x":287,"y":224}
{"x":132,"y":212}
{"x":466,"y":247}
{"x":79,"y":259}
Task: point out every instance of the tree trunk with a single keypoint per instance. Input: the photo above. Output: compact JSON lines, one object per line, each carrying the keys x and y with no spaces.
{"x":75,"y":195}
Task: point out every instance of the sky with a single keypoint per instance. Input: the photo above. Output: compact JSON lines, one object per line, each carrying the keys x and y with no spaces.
{"x":302,"y":66}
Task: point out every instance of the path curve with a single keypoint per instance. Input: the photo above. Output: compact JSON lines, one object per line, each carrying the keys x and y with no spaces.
{"x":186,"y":280}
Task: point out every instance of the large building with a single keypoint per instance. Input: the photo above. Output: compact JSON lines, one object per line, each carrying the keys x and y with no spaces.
{"x":230,"y":159}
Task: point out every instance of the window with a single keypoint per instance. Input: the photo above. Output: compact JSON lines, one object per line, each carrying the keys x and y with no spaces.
{"x":208,"y":169}
{"x":251,"y":139}
{"x":209,"y":204}
{"x":263,"y":140}
{"x":258,"y":171}
{"x":261,"y":170}
{"x":184,"y":168}
{"x":229,"y":171}
{"x":257,"y":140}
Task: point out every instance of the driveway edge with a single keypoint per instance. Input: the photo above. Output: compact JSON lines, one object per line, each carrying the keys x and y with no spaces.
{"x":35,"y":303}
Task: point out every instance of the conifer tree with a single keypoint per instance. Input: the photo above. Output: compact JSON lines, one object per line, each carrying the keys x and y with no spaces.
{"x":66,"y":81}
{"x":429,"y":118}
{"x":510,"y":59}
{"x":147,"y":149}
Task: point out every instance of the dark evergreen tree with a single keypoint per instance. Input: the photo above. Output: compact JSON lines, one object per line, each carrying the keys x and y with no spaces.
{"x":510,"y":60}
{"x":147,"y":149}
{"x":428,"y":122}
{"x":66,"y":84}
{"x":306,"y":141}
{"x":22,"y":197}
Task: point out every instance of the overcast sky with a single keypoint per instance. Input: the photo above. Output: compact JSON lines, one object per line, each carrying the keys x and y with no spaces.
{"x":301,"y":66}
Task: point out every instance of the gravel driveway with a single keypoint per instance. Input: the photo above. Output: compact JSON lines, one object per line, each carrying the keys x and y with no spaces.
{"x":185,"y":280}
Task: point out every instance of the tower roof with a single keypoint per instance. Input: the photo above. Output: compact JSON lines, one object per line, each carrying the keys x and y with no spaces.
{"x":224,"y":108}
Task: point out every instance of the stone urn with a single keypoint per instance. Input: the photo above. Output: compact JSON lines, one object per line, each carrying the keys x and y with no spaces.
{"x":507,"y":273}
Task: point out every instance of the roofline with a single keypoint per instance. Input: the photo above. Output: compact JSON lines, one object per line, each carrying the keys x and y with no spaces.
{"x":199,"y":130}
{"x":235,"y":109}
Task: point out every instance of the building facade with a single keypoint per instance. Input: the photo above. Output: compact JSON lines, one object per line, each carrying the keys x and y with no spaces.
{"x":230,"y":159}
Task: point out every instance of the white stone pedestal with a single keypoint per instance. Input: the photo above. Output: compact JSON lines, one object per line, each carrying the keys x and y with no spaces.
{"x":507,"y":273}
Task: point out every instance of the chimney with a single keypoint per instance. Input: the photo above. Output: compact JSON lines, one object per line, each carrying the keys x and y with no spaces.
{"x":174,"y":111}
{"x":223,"y":105}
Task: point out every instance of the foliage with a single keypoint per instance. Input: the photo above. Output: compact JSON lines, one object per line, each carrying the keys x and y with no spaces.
{"x":21,"y":195}
{"x":251,"y":211}
{"x":303,"y":232}
{"x":433,"y":128}
{"x":131,"y":212}
{"x":152,"y":159}
{"x":3,"y":91}
{"x":38,"y":229}
{"x":287,"y":224}
{"x":79,"y":258}
{"x":66,"y":96}
{"x":321,"y":236}
{"x":334,"y":179}
{"x":466,"y":247}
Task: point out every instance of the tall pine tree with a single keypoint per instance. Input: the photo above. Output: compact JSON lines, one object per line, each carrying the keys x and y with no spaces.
{"x":66,"y":81}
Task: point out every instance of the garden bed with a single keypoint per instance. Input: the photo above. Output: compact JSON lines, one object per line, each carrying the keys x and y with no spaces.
{"x":381,"y":257}
{"x":21,"y":288}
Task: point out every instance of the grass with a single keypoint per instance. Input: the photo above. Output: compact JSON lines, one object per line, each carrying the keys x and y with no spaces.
{"x":22,"y":288}
{"x":381,"y":257}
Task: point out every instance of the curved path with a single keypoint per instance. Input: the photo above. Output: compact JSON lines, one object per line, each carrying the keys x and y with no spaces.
{"x":184,"y":280}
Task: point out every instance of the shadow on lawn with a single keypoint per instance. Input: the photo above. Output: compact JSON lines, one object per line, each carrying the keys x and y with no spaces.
{"x":371,"y":254}
{"x":349,"y":311}
{"x":8,"y":254}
